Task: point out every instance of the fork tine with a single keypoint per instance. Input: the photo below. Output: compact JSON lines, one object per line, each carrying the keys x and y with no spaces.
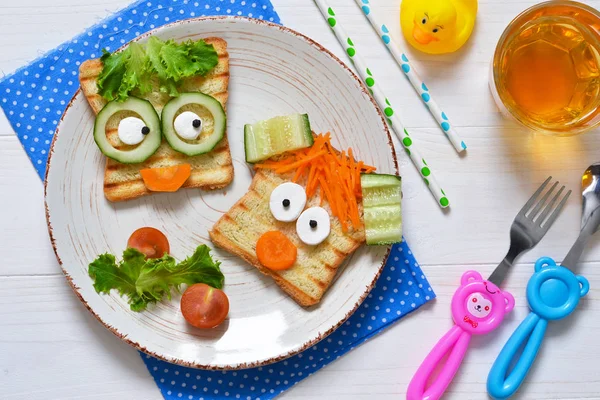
{"x":533,"y":198}
{"x":542,"y":202}
{"x":549,"y":207}
{"x":556,"y":212}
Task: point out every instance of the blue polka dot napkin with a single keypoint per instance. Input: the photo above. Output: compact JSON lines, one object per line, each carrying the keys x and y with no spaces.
{"x":34,"y":98}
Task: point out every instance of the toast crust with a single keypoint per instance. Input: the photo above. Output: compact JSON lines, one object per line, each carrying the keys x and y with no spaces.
{"x":213,"y":170}
{"x":329,"y":254}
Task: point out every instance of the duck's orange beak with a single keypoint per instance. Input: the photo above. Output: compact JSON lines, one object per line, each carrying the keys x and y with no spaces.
{"x":423,"y":37}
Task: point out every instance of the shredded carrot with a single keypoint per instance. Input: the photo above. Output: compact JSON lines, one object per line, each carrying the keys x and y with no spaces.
{"x":299,"y":172}
{"x":335,"y":175}
{"x":311,"y":177}
{"x":352,"y":169}
{"x":292,"y":166}
{"x":328,"y":194}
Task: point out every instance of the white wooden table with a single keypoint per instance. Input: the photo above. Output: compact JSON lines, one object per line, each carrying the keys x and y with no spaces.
{"x":52,"y":348}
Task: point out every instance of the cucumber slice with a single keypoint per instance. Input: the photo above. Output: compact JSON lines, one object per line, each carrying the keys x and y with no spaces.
{"x":382,"y":208}
{"x":141,"y":152}
{"x":212,"y":132}
{"x":274,"y":136}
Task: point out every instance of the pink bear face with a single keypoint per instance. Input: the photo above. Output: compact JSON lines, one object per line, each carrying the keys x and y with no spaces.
{"x":479,"y":306}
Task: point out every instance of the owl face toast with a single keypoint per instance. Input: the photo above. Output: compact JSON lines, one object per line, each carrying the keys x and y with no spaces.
{"x":174,"y":135}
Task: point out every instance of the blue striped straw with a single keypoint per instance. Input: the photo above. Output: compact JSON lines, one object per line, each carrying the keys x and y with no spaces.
{"x":413,"y":77}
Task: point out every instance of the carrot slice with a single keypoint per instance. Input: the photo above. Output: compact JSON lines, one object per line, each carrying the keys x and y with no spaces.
{"x":166,"y":179}
{"x":275,"y":251}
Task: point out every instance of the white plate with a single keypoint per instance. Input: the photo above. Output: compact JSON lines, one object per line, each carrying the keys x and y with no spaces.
{"x":274,"y":71}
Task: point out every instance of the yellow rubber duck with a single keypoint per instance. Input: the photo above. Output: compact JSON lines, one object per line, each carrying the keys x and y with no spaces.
{"x":437,"y":26}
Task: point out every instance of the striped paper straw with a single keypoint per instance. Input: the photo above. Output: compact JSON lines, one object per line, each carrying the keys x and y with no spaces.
{"x":413,"y":77}
{"x":393,"y":119}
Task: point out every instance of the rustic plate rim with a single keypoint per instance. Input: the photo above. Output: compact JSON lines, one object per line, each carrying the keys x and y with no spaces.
{"x":321,"y":335}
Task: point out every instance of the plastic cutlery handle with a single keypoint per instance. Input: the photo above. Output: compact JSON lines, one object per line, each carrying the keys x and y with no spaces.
{"x":553,"y":292}
{"x":532,"y":330}
{"x":456,"y":341}
{"x":478,"y":307}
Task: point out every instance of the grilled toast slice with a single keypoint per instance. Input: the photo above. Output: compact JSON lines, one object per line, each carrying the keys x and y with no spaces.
{"x":212,"y":170}
{"x":308,"y":279}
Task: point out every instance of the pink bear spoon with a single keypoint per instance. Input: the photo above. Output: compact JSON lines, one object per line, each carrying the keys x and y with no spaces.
{"x":478,"y":307}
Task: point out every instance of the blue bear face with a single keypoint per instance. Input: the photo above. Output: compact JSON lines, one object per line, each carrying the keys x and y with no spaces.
{"x":554,"y":291}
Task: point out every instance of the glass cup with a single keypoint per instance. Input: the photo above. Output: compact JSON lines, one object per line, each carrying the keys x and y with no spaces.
{"x":546,"y":68}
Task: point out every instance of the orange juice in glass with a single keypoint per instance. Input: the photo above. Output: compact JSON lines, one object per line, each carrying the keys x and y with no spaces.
{"x":546,"y":68}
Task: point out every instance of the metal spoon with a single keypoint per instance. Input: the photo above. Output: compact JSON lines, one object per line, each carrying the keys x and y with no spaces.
{"x":590,"y":214}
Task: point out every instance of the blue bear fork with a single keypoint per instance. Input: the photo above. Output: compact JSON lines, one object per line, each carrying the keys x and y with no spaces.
{"x":553,"y":292}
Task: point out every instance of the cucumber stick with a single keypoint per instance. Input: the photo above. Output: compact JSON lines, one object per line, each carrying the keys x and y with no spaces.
{"x":146,"y":148}
{"x":382,"y":208}
{"x":274,"y":136}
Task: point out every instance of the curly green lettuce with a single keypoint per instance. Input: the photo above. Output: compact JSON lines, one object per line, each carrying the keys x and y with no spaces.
{"x":166,"y":63}
{"x":146,"y":281}
{"x":136,"y":67}
{"x":110,"y":81}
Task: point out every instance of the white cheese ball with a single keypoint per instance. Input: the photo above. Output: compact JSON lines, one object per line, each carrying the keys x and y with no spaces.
{"x":130,"y":130}
{"x":184,"y":125}
{"x":313,"y":226}
{"x":287,"y":201}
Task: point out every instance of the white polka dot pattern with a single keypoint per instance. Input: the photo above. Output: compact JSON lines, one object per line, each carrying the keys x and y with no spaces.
{"x":401,"y":289}
{"x":34,"y":98}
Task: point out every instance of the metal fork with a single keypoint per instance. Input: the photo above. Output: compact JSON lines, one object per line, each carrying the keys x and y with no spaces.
{"x":530,"y":226}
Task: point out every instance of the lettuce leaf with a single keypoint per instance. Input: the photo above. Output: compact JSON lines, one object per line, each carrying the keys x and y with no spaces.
{"x":137,"y":73}
{"x":111,"y":77}
{"x":146,"y":281}
{"x":135,"y":68}
{"x":176,"y":61}
{"x":203,"y":55}
{"x":199,"y":265}
{"x":107,"y":275}
{"x":188,"y":59}
{"x":158,"y":68}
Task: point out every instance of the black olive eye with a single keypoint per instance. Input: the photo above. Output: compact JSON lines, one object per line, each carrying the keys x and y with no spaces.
{"x":313,"y":226}
{"x":424,"y":21}
{"x":145,"y":130}
{"x":435,"y":30}
{"x":196,"y":123}
{"x":287,"y":202}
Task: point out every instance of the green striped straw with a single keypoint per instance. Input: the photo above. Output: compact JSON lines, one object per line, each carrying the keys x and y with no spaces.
{"x":392,"y":118}
{"x":413,"y":77}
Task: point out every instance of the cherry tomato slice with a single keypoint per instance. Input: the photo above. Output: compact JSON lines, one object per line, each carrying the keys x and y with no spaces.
{"x":150,"y":241}
{"x":204,"y":306}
